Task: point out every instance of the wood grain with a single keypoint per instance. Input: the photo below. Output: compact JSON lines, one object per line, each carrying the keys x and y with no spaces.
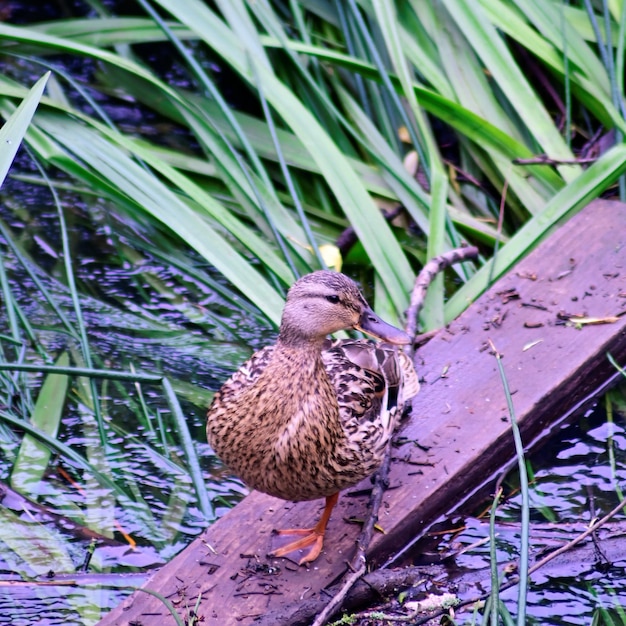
{"x":457,"y":436}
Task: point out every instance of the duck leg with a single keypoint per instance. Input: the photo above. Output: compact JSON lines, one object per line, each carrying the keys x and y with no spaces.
{"x":313,"y":537}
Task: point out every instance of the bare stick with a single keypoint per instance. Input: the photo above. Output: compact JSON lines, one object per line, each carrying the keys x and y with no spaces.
{"x":358,"y":564}
{"x":544,"y":159}
{"x":577,"y":540}
{"x":427,"y":275}
{"x":381,"y":482}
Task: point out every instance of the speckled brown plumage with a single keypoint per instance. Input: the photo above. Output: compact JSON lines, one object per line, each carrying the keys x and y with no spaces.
{"x":307,"y":417}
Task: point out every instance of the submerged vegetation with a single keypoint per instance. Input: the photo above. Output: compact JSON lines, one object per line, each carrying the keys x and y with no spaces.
{"x":239,"y":145}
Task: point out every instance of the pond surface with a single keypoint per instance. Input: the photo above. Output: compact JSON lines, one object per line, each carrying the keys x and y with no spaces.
{"x":146,"y":315}
{"x":576,"y":477}
{"x":142,"y":314}
{"x":151,"y":312}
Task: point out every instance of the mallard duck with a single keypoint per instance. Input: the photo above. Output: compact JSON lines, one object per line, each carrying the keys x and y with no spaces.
{"x":307,"y":417}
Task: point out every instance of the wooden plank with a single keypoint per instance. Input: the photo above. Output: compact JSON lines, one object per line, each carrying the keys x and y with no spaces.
{"x":456,"y":437}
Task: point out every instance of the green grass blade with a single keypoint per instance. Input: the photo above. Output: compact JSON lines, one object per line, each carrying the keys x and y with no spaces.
{"x":524,"y":550}
{"x":190,"y":451}
{"x":106,"y":32}
{"x":22,"y":35}
{"x":236,"y":14}
{"x":547,"y":39}
{"x":491,"y":48}
{"x":82,"y":371}
{"x":288,"y":179}
{"x":10,"y":306}
{"x":33,"y":456}
{"x":432,"y":313}
{"x":168,"y":605}
{"x":415,"y":125}
{"x":494,"y":594}
{"x":611,"y":444}
{"x":371,"y":228}
{"x":387,"y":19}
{"x":13,"y":131}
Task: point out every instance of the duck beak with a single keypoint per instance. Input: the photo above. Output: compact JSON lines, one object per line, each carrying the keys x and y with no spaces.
{"x":373,"y":325}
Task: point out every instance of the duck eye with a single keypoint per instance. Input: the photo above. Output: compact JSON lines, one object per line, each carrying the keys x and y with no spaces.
{"x":334,"y":299}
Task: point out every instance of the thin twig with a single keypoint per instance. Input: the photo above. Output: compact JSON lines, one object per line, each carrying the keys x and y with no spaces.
{"x":381,"y":482}
{"x":358,"y":564}
{"x":427,"y":275}
{"x":339,"y":597}
{"x":544,"y":159}
{"x":577,"y":540}
{"x":523,"y":479}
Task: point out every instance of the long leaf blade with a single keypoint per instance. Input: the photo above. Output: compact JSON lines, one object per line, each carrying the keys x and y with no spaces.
{"x":13,"y":131}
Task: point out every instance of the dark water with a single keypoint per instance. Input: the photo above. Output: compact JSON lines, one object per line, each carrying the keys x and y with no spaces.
{"x":174,"y":315}
{"x":177,"y":318}
{"x":576,"y":477}
{"x":142,"y":314}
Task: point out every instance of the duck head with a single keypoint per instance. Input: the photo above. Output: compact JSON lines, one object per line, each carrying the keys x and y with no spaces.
{"x":325,"y":302}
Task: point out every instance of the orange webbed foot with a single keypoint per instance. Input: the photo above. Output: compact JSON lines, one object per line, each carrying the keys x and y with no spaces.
{"x":313,"y":537}
{"x":310,"y":538}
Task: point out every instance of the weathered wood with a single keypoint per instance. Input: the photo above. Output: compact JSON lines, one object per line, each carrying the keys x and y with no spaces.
{"x":457,"y":436}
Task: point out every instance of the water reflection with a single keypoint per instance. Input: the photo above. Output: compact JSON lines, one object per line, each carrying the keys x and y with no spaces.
{"x":141,"y":314}
{"x":576,"y":478}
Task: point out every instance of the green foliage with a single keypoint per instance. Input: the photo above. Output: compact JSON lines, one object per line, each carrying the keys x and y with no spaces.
{"x":33,"y":455}
{"x":435,"y":55}
{"x":288,"y":129}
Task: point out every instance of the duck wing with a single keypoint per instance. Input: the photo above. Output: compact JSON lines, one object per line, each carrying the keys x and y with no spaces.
{"x":373,"y":381}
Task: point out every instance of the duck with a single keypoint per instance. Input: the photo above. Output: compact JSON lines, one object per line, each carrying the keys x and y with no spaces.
{"x":309,"y":416}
